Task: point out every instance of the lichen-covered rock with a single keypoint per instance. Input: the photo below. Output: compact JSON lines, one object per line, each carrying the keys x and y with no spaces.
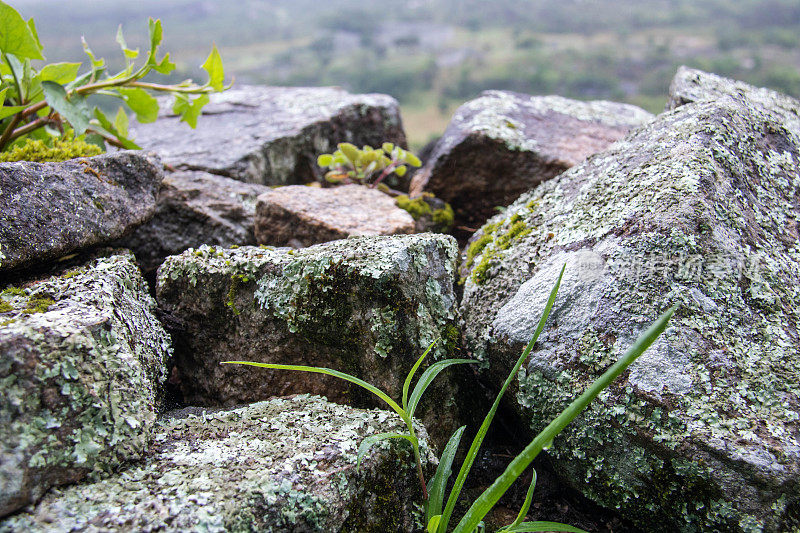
{"x":284,"y":465}
{"x":48,"y":210}
{"x":272,"y":135}
{"x":368,"y":306}
{"x":82,"y":365}
{"x":301,"y":216}
{"x":700,"y":209}
{"x":692,"y":85}
{"x":503,"y":144}
{"x":195,"y":208}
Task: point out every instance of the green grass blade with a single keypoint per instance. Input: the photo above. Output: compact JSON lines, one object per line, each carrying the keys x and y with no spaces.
{"x":443,"y":471}
{"x":373,"y":439}
{"x":330,"y":372}
{"x":478,"y":440}
{"x":526,"y":505}
{"x":490,"y":496}
{"x":427,"y":377}
{"x":537,"y":527}
{"x":410,"y":375}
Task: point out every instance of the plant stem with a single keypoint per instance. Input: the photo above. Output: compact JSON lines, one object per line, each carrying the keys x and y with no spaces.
{"x":9,"y":131}
{"x":388,"y":170}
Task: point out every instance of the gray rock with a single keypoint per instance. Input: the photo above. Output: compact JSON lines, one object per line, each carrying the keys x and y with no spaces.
{"x":82,"y":369}
{"x":312,"y":215}
{"x":368,"y":306}
{"x":48,"y":210}
{"x":503,"y":144}
{"x":692,"y":85}
{"x":284,"y":465}
{"x":195,"y":208}
{"x":698,"y":208}
{"x":272,"y":135}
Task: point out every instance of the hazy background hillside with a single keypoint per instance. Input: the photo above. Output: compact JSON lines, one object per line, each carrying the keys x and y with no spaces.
{"x":433,"y":55}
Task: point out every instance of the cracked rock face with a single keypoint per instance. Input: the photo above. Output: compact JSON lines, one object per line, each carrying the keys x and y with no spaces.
{"x":48,"y":210}
{"x":503,"y":144}
{"x":284,"y":465}
{"x":368,"y":306}
{"x":195,"y":208}
{"x":272,"y":135}
{"x":698,"y":208}
{"x":82,"y":366}
{"x":302,"y":216}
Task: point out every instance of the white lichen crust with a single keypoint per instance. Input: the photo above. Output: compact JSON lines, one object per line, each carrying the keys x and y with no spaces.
{"x":699,"y":209}
{"x":81,"y":374}
{"x":284,"y":465}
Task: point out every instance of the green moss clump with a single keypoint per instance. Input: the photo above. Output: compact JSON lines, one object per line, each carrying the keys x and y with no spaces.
{"x":5,"y":307}
{"x":481,"y":269}
{"x":477,"y":247}
{"x":495,"y":243}
{"x":38,"y":305}
{"x":61,"y":150}
{"x":14,"y":291}
{"x":518,"y":229}
{"x":416,"y":207}
{"x":444,"y":218}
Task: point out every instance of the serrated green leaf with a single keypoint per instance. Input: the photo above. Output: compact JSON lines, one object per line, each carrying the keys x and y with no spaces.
{"x":213,"y":65}
{"x":104,"y":126}
{"x":141,"y":102}
{"x":367,"y":443}
{"x":325,"y":160}
{"x":165,"y":66}
{"x":35,"y":33}
{"x":121,"y":122}
{"x":60,"y":73}
{"x":189,"y":110}
{"x":129,"y":54}
{"x":16,"y":37}
{"x":73,"y":110}
{"x":156,"y":34}
{"x":97,"y":63}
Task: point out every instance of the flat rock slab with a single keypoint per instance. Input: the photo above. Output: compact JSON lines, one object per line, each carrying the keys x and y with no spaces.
{"x":195,"y":208}
{"x":272,"y":135}
{"x":700,"y":209}
{"x":503,"y":144}
{"x":48,"y":210}
{"x":284,"y":465}
{"x":368,"y":306}
{"x":304,"y":216}
{"x":82,"y":369}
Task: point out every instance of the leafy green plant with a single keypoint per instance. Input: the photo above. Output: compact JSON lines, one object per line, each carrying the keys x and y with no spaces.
{"x":438,"y":512}
{"x":46,"y":102}
{"x":348,"y":164}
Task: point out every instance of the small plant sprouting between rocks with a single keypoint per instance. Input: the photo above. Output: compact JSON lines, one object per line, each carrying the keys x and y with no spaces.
{"x":438,"y":513}
{"x":348,"y":164}
{"x":49,"y":103}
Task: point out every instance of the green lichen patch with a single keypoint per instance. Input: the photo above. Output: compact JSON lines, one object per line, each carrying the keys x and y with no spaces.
{"x":82,"y":375}
{"x":699,"y":209}
{"x":282,"y":465}
{"x":430,"y":213}
{"x":486,"y":250}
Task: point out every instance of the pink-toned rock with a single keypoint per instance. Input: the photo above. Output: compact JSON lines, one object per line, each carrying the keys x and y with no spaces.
{"x":299,"y":215}
{"x":503,"y":144}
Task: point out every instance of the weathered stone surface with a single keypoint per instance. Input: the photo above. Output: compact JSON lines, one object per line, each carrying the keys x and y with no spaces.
{"x":82,"y":365}
{"x":368,"y":306}
{"x":195,"y":208}
{"x":272,"y":135}
{"x":300,"y":215}
{"x":48,"y":210}
{"x":692,"y":85}
{"x":699,"y":208}
{"x":503,"y":144}
{"x":284,"y":465}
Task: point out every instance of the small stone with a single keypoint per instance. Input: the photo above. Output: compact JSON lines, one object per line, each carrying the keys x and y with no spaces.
{"x":49,"y":210}
{"x":82,"y":371}
{"x":314,"y":215}
{"x":503,"y":144}
{"x":195,"y":208}
{"x":272,"y":135}
{"x":284,"y":465}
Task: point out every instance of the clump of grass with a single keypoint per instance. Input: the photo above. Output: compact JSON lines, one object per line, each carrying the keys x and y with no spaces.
{"x":438,"y":511}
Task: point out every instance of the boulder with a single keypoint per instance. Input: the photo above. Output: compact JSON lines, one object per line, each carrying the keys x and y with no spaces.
{"x":503,"y":144}
{"x":82,"y":369}
{"x":368,"y":306}
{"x":195,"y":208}
{"x":272,"y":135}
{"x":48,"y":210}
{"x":301,"y":216}
{"x":691,"y":85}
{"x":700,"y":209}
{"x":284,"y":465}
